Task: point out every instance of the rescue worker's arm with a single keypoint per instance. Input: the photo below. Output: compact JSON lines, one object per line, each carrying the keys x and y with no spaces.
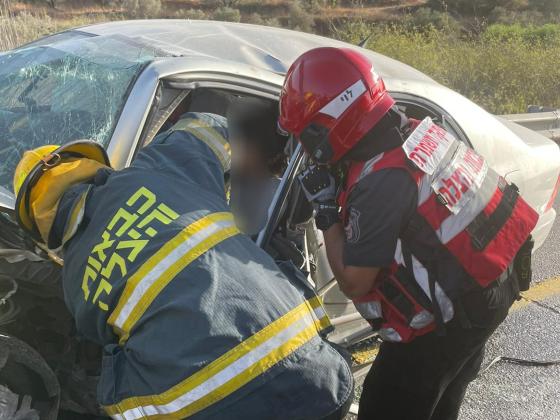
{"x":353,"y":281}
{"x":378,"y":208}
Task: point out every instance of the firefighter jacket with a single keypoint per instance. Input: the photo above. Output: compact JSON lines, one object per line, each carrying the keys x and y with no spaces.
{"x":194,"y":318}
{"x":465,"y":234}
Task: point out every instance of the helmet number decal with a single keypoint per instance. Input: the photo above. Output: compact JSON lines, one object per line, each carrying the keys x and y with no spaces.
{"x":342,"y":102}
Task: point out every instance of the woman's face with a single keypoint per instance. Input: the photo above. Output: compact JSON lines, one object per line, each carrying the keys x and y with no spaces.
{"x":247,"y":160}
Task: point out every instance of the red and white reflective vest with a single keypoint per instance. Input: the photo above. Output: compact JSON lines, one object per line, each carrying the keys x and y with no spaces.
{"x":468,"y":218}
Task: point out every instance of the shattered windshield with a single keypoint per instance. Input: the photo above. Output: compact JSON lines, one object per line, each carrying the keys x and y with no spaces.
{"x":53,"y":94}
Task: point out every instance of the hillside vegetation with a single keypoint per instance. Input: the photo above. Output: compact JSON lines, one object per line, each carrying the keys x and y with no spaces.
{"x":503,"y":54}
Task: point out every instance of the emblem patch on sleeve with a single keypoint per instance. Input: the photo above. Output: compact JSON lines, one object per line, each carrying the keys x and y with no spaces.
{"x":352,"y":228}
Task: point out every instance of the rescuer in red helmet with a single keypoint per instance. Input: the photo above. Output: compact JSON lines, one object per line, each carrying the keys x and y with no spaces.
{"x":426,"y":239}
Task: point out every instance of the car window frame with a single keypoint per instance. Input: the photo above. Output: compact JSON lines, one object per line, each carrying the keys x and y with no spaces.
{"x":190,"y":87}
{"x":180,"y":73}
{"x":432,"y":107}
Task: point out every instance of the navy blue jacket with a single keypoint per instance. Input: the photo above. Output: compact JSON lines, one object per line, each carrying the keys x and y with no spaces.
{"x":195,"y":319}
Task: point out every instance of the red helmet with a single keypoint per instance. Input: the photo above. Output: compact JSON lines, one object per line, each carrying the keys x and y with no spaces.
{"x":331,"y":98}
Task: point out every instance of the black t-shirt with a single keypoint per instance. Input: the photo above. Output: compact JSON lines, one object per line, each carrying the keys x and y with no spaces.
{"x":379,"y":207}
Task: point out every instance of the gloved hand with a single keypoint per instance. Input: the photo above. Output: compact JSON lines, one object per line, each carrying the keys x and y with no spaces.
{"x":319,"y":186}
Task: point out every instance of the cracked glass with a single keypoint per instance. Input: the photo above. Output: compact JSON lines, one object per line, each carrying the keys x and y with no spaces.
{"x":65,"y":91}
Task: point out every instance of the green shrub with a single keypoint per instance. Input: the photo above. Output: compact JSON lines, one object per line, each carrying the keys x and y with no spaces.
{"x":299,"y":18}
{"x":426,"y":17}
{"x":502,"y":75}
{"x":142,"y":8}
{"x":193,"y":14}
{"x":272,"y":22}
{"x":549,"y":33}
{"x":227,"y":14}
{"x":255,"y":19}
{"x":523,"y":17}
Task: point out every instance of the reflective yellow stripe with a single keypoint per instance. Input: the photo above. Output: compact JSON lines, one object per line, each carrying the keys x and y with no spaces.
{"x":212,"y":138}
{"x":220,"y":150}
{"x":213,"y":132}
{"x":164,"y":265}
{"x":322,"y":321}
{"x":229,"y":372}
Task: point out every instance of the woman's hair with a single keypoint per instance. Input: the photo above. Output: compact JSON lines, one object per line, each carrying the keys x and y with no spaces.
{"x":254,"y":122}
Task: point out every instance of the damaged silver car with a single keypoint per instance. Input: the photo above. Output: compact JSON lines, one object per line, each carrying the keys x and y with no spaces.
{"x":120,"y":84}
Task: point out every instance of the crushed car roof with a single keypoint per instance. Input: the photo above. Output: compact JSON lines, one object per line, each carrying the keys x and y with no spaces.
{"x":272,"y":49}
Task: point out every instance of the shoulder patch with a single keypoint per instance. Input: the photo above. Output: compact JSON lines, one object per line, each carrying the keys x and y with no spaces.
{"x":352,"y":228}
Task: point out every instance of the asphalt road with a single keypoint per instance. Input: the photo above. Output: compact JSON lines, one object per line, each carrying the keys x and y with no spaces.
{"x":531,"y":331}
{"x":512,"y":392}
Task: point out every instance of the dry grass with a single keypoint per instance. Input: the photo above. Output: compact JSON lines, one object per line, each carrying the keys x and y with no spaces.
{"x":21,"y":23}
{"x":23,"y":27}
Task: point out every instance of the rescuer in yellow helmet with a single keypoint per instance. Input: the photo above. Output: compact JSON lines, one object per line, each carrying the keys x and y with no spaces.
{"x":193,"y":317}
{"x":44,"y":174}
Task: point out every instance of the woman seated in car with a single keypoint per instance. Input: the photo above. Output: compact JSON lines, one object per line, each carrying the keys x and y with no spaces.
{"x":258,"y":160}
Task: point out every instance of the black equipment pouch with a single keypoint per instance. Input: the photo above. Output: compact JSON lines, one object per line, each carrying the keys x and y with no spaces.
{"x":390,"y":290}
{"x":483,"y":229}
{"x":407,"y":281}
{"x":522,"y":265}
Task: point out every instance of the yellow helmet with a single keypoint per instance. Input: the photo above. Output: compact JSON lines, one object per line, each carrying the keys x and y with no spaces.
{"x":28,"y":162}
{"x":42,"y":160}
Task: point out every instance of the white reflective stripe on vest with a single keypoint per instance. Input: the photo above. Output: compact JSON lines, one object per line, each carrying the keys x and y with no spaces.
{"x":229,"y":372}
{"x":369,"y":310}
{"x":424,"y":189}
{"x":421,"y":277}
{"x":160,"y":269}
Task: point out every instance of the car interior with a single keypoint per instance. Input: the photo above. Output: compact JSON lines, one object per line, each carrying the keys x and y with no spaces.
{"x":287,"y":242}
